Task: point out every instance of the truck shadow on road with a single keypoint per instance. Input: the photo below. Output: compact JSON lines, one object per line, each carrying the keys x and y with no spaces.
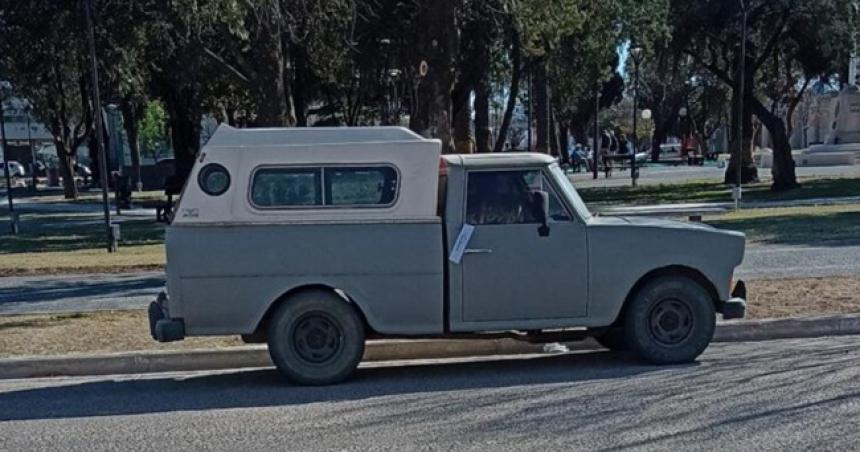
{"x":265,"y":388}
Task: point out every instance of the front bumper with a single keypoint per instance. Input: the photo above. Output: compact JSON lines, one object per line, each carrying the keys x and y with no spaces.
{"x":161,"y":326}
{"x":736,"y":306}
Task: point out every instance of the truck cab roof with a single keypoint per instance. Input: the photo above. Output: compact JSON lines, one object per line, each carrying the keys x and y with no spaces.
{"x":497,"y":160}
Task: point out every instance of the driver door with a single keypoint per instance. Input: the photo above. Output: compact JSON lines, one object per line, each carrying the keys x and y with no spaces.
{"x":510,"y":271}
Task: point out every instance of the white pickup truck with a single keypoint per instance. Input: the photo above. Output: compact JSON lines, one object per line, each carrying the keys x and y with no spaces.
{"x":316,"y":239}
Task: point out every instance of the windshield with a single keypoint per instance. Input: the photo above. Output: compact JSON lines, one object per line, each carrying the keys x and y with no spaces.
{"x":569,"y":192}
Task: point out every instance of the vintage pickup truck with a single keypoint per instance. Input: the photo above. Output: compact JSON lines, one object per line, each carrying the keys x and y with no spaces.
{"x":316,"y":239}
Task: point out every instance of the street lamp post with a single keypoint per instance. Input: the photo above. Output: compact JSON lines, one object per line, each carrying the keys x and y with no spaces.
{"x":97,"y":116}
{"x":636,"y":54}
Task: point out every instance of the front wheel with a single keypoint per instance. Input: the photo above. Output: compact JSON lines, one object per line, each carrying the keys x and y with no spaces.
{"x":670,"y":321}
{"x":316,"y":338}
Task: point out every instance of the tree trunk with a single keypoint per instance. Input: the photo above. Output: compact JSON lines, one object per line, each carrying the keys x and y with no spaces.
{"x":553,"y":135}
{"x":784,"y":177}
{"x":436,"y":47}
{"x":563,"y":138}
{"x":462,"y":124}
{"x":131,"y":112}
{"x":516,"y":69}
{"x":184,"y":116}
{"x":67,"y":171}
{"x":268,"y":86}
{"x":658,"y":135}
{"x":541,"y":106}
{"x":482,"y":116}
{"x":298,"y":54}
{"x":749,"y":173}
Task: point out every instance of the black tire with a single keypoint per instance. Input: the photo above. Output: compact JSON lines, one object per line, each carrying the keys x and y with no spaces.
{"x":316,"y":338}
{"x":671,"y":320}
{"x":613,"y":339}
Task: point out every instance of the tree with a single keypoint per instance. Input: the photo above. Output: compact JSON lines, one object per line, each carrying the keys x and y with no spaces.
{"x":178,"y":34}
{"x":435,"y":51}
{"x":42,"y":57}
{"x":152,"y":125}
{"x":809,"y":32}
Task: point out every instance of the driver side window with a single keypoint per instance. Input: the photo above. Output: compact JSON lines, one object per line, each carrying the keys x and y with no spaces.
{"x":507,"y":197}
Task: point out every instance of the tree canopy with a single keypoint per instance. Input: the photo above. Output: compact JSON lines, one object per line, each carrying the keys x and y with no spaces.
{"x":457,"y":70}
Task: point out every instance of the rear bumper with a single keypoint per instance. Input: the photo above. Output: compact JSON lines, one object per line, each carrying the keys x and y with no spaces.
{"x":736,"y":306}
{"x":161,"y":326}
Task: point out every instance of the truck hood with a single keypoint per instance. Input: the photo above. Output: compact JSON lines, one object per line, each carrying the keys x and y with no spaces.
{"x":650,"y":222}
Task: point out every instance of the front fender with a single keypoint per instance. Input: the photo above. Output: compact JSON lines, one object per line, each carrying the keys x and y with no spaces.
{"x":622,"y":251}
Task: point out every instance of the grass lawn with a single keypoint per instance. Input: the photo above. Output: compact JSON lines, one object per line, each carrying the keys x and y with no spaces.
{"x":714,"y":191}
{"x":119,"y":331}
{"x":96,"y":197}
{"x":794,"y":225}
{"x":88,"y":196}
{"x":69,"y":242}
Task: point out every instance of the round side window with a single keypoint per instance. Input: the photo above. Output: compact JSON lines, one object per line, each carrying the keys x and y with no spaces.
{"x":214,"y":179}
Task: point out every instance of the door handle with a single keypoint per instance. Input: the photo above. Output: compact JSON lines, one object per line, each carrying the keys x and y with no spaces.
{"x":477,"y":251}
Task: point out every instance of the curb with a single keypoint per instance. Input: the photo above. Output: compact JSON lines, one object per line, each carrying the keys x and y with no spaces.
{"x":790,"y":328}
{"x":258,"y":356}
{"x":389,"y":350}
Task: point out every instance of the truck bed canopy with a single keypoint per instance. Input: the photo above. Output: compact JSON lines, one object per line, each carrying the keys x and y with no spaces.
{"x":232,"y":137}
{"x":244,"y":151}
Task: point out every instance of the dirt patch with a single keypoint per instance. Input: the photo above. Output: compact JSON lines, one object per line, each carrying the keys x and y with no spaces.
{"x":97,"y":332}
{"x":121,"y":331}
{"x":769,"y":298}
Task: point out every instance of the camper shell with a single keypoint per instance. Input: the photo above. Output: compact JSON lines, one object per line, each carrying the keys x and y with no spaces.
{"x":313,"y":239}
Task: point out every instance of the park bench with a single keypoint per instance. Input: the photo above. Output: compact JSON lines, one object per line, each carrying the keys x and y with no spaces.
{"x":172,"y":187}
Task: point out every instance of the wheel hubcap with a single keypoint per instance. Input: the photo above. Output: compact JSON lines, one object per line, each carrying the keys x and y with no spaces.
{"x":671,"y":322}
{"x":317,"y":338}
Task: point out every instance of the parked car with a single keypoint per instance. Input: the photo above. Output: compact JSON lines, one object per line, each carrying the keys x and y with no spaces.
{"x":83,"y":171}
{"x":15,"y":169}
{"x":314,"y":239}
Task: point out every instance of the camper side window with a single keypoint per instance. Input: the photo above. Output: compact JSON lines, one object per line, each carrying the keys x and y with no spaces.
{"x":328,"y":186}
{"x":287,"y":187}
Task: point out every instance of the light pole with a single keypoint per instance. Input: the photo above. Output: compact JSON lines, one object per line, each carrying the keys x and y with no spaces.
{"x":737,"y":191}
{"x":636,"y":54}
{"x":97,"y":116}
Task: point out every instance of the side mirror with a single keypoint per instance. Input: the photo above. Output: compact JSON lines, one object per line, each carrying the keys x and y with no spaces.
{"x":541,"y":209}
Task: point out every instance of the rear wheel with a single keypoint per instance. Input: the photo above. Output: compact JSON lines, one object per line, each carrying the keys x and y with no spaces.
{"x":671,"y":320}
{"x":316,"y":338}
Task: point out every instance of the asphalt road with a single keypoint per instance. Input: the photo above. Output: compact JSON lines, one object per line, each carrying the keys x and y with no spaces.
{"x":78,"y":293}
{"x":779,"y":395}
{"x":800,"y":261}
